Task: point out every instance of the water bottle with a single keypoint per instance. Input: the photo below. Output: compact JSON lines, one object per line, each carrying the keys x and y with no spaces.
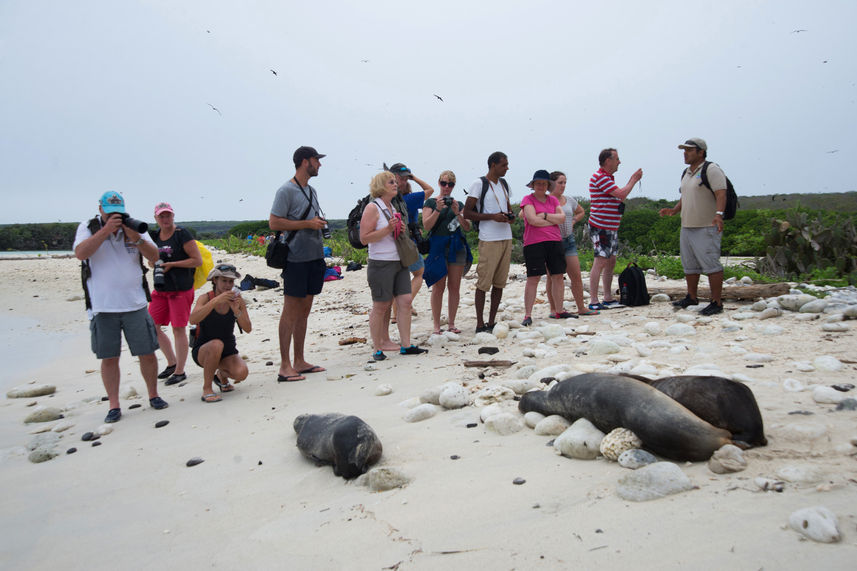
{"x":453,"y":225}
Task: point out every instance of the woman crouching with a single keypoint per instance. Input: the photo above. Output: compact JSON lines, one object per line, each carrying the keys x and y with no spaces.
{"x":215,"y":315}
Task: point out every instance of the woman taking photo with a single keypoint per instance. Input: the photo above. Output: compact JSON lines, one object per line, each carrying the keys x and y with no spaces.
{"x":215,"y":315}
{"x":178,"y":256}
{"x":543,"y":246}
{"x":444,"y":219}
{"x":574,"y":212}
{"x":388,"y":281}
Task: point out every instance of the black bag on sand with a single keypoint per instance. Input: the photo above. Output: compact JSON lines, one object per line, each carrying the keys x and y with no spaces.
{"x":632,"y":286}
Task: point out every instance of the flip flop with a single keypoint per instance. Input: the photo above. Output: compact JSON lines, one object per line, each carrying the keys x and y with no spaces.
{"x":224,"y":387}
{"x":211,"y":397}
{"x":454,"y":330}
{"x":290,"y":378}
{"x":589,"y":312}
{"x":438,"y":331}
{"x":313,"y":369}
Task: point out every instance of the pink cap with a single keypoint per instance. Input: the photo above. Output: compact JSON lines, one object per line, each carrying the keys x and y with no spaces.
{"x":163,"y":207}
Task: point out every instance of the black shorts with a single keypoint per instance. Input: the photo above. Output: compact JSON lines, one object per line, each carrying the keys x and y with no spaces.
{"x":229,"y":348}
{"x":301,"y":279}
{"x":544,"y":256}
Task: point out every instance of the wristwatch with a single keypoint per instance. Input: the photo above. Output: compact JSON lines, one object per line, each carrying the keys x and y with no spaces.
{"x":546,"y":215}
{"x":138,"y":242}
{"x":719,"y":213}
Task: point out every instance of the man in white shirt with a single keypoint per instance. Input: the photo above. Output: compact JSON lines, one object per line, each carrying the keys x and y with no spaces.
{"x":111,"y":253}
{"x":488,"y":206}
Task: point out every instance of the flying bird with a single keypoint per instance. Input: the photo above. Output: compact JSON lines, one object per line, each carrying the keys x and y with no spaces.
{"x":215,"y":108}
{"x":438,"y":96}
{"x":833,"y":151}
{"x":274,"y":72}
{"x":799,"y":31}
{"x":364,"y":61}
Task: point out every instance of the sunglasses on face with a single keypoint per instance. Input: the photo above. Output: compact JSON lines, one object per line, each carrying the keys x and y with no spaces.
{"x":444,"y":183}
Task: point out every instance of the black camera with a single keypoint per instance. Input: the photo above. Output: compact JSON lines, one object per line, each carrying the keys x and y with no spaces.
{"x":136,"y":225}
{"x":158,"y":274}
{"x":509,"y":215}
{"x":325,"y":232}
{"x":447,"y":200}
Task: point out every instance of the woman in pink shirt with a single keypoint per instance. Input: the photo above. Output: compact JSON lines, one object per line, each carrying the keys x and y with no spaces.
{"x":543,"y":251}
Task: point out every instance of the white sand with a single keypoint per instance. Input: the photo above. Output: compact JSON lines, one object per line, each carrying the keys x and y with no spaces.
{"x":256,"y":503}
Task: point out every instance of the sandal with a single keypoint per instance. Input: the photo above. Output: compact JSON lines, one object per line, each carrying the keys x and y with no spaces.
{"x":211,"y":397}
{"x":589,"y":312}
{"x":224,"y":387}
{"x":455,"y":330}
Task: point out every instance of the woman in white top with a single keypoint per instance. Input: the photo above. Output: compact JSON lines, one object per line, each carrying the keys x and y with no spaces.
{"x":574,"y":212}
{"x":388,"y":280}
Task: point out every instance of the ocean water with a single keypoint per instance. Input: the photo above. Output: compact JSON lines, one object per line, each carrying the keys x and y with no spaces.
{"x":36,"y":254}
{"x":25,"y":348}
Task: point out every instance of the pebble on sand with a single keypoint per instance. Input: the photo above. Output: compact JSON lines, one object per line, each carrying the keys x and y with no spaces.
{"x":652,"y":482}
{"x":31,"y":391}
{"x":194,"y":461}
{"x":43,"y":414}
{"x":816,"y":523}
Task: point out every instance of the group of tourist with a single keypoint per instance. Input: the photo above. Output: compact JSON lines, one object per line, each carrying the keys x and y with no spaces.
{"x":112,"y":248}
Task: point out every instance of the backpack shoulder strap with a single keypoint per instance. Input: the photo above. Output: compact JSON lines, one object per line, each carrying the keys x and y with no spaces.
{"x":484,"y":192}
{"x":704,"y":175}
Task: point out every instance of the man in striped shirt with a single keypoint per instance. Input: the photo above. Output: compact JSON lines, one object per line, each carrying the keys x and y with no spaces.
{"x":604,"y":217}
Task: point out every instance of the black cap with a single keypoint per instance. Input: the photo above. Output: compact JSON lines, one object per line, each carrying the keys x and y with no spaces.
{"x":400,"y":168}
{"x":305,"y":153}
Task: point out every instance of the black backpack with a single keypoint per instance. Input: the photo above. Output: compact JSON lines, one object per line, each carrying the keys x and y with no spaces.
{"x":731,"y":197}
{"x":479,"y":208}
{"x":353,"y":224}
{"x":632,"y":286}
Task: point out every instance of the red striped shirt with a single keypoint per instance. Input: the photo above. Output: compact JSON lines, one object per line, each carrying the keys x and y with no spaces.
{"x":603,"y":206}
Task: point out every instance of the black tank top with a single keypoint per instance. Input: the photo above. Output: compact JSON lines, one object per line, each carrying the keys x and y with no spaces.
{"x":217,"y":326}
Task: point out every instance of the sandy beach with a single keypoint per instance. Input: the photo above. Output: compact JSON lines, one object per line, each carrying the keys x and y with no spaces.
{"x":256,"y":503}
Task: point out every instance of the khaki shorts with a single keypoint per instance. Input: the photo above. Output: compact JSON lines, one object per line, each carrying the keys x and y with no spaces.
{"x":700,"y":250}
{"x":493,"y":267}
{"x":106,"y":331}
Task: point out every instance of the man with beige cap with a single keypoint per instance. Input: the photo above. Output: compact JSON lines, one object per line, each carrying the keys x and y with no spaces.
{"x":701,"y":208}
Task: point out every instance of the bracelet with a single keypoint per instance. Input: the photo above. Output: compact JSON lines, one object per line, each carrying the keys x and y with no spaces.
{"x":138,"y":242}
{"x":719,"y":213}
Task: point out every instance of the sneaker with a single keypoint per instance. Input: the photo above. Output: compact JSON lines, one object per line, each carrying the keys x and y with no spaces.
{"x":610,"y":303}
{"x":378,"y":356}
{"x":158,"y":403}
{"x":167,"y":372}
{"x":113,"y":415}
{"x":686,"y":302}
{"x":412,"y":350}
{"x":597,"y":306}
{"x":527,"y":321}
{"x":562,"y":315}
{"x":176,"y":379}
{"x":712,"y":308}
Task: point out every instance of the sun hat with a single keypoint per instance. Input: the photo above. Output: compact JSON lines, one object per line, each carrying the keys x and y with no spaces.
{"x":112,"y":201}
{"x":163,"y":207}
{"x":223,"y":271}
{"x":695,"y":143}
{"x":540,"y":174}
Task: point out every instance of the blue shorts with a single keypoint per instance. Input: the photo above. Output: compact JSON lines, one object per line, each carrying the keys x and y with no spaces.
{"x":569,"y":245}
{"x":301,"y":279}
{"x":418,"y":265}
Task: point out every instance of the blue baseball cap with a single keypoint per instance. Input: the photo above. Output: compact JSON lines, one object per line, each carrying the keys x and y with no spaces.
{"x":112,"y":201}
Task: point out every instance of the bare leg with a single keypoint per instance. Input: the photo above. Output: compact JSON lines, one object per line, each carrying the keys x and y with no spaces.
{"x":166,"y":347}
{"x":530,"y":290}
{"x":404,"y":303}
{"x":149,"y":370}
{"x":110,"y":378}
{"x":387,"y":343}
{"x":715,"y":281}
{"x":209,"y":356}
{"x":416,"y":283}
{"x":549,"y":292}
{"x":479,"y":303}
{"x":572,"y":266}
{"x":293,"y":323}
{"x":437,"y":302}
{"x":496,"y":296}
{"x":693,"y":284}
{"x":595,"y":277}
{"x":607,"y":277}
{"x":180,"y":335}
{"x":453,"y":274}
{"x":555,"y":286}
{"x":233,"y":367}
{"x":379,"y":328}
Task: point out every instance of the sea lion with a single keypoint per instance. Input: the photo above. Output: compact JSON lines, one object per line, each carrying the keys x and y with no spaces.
{"x":719,"y":401}
{"x":614,"y":401}
{"x":346,"y":442}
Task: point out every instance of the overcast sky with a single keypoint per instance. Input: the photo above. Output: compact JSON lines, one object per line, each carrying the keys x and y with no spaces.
{"x":117,"y":95}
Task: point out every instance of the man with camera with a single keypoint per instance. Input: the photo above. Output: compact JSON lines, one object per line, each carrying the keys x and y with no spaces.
{"x":489,"y":207}
{"x":111,"y":247}
{"x":297,"y":214}
{"x":607,"y":203}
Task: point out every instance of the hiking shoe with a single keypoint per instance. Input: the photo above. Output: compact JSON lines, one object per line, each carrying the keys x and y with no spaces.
{"x":598,"y":306}
{"x":378,"y":356}
{"x":562,"y":315}
{"x":113,"y":415}
{"x":176,"y":379}
{"x":712,"y":308}
{"x":158,"y":403}
{"x":412,"y":350}
{"x":685,"y":303}
{"x":167,"y":372}
{"x":527,"y":321}
{"x":610,"y":303}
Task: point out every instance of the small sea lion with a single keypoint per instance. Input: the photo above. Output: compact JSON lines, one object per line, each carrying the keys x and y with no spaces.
{"x":615,"y":401}
{"x":719,"y":401}
{"x":346,"y":442}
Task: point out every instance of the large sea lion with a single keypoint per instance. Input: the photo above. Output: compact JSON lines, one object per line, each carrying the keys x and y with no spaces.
{"x":722,"y":402}
{"x":614,"y":401}
{"x":346,"y":442}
